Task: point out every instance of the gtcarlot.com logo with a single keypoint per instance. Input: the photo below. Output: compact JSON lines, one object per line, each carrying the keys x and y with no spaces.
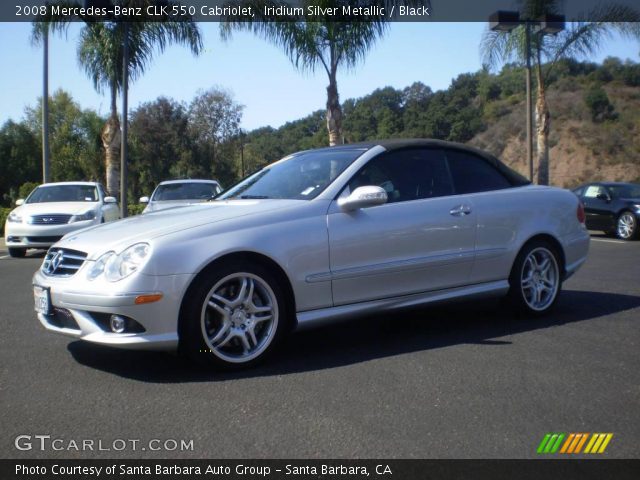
{"x":45,"y":443}
{"x":573,"y":443}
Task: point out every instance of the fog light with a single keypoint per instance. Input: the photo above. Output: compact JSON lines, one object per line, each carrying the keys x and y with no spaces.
{"x":118,"y":323}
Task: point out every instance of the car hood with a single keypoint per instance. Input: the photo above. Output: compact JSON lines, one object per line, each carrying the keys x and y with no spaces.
{"x":52,"y":208}
{"x":120,"y":234}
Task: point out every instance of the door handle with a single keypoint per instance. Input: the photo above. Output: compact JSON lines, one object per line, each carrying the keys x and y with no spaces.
{"x":460,"y":210}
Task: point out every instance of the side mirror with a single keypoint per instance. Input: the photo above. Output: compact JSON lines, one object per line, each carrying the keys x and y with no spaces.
{"x":363,"y":197}
{"x":144,"y":199}
{"x":110,"y":200}
{"x":19,"y":202}
{"x":603,"y":196}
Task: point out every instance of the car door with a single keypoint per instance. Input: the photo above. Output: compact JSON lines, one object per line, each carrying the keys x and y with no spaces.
{"x":110,"y":211}
{"x":422,"y":239}
{"x":498,"y":209}
{"x":597,"y":207}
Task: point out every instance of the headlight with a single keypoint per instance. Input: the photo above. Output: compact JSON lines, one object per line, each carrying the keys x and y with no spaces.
{"x":14,"y":218}
{"x":116,"y":267}
{"x":97,"y":268}
{"x":90,"y":215}
{"x":128,"y":262}
{"x":637,"y":206}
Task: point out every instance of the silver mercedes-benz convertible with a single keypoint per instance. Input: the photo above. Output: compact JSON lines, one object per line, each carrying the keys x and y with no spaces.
{"x":318,"y":236}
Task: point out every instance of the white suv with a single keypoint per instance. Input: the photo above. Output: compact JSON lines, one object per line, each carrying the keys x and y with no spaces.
{"x":54,"y":209}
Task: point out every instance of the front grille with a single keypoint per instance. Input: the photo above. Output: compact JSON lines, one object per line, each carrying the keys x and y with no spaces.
{"x":43,"y":239}
{"x":62,"y":262}
{"x":52,"y":219}
{"x":62,"y":318}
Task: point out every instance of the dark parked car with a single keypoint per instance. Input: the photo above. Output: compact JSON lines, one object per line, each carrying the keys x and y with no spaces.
{"x":612,"y":207}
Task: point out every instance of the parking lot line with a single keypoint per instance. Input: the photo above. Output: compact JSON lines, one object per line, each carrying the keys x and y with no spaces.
{"x":4,"y":256}
{"x":621,"y":242}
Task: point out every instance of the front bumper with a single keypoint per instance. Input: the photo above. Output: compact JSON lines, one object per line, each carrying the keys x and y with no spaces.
{"x":84,"y":311}
{"x":26,"y":235}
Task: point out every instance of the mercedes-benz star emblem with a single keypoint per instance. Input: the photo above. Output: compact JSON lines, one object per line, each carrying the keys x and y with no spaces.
{"x":52,"y":264}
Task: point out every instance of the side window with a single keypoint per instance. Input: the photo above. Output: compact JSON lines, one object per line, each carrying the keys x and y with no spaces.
{"x":407,"y":175}
{"x":593,"y":191}
{"x":473,"y":174}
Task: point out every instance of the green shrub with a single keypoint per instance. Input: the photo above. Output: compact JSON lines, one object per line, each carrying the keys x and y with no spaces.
{"x":4,"y":213}
{"x":26,"y":188}
{"x":135,"y":208}
{"x":599,"y":105}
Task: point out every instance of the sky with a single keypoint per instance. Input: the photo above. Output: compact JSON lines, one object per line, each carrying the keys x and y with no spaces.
{"x":258,"y":74}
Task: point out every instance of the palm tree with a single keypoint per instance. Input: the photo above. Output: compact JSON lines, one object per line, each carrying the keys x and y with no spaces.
{"x":320,"y":41}
{"x":100,"y":53}
{"x":580,"y":39}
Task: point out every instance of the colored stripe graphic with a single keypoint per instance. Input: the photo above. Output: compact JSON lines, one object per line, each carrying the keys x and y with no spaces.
{"x":581,"y":443}
{"x":598,"y":443}
{"x":556,"y":446}
{"x":551,"y":443}
{"x":543,"y":443}
{"x":572,"y":443}
{"x":567,"y":442}
{"x":605,"y":443}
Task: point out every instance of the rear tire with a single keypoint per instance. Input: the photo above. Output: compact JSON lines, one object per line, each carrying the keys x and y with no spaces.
{"x":627,"y":226}
{"x":17,"y":252}
{"x":233,"y":317}
{"x":536,"y":278}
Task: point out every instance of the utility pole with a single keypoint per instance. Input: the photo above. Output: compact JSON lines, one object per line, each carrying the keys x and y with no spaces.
{"x":242,"y":151}
{"x":46,"y":171}
{"x":125,"y":115}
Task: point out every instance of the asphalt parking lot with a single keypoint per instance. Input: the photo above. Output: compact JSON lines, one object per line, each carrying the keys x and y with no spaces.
{"x":469,"y":381}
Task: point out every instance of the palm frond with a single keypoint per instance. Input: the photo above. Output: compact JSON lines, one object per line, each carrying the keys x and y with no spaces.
{"x":584,"y":38}
{"x":45,"y":24}
{"x":320,"y":40}
{"x":498,"y":47}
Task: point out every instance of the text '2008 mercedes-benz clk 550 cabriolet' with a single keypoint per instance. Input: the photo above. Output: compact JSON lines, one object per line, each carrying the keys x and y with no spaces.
{"x":318,"y":236}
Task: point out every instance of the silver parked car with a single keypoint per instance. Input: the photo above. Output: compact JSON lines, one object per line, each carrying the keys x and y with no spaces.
{"x":318,"y":236}
{"x":179,"y":193}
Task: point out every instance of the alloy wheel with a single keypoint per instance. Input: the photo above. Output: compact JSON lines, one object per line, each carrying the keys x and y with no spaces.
{"x":239,"y":317}
{"x":626,"y":225}
{"x":540,"y":279}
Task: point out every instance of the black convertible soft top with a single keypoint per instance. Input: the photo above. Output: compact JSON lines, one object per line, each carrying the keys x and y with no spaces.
{"x":390,"y":145}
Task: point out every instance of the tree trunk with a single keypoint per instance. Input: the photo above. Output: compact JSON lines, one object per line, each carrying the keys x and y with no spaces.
{"x":543,"y":122}
{"x":111,"y":142}
{"x":334,"y":112}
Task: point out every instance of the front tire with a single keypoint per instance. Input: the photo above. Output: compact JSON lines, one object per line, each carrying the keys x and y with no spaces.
{"x":235,"y":316}
{"x":17,"y":252}
{"x":536,"y":279}
{"x":626,"y":226}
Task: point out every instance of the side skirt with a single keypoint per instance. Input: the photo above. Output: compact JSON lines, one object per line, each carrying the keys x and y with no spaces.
{"x":324,"y":316}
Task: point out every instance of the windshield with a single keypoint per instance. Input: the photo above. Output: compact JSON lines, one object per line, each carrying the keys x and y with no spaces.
{"x":625,"y":191}
{"x":185,"y":191}
{"x":64,"y":193}
{"x":301,"y":176}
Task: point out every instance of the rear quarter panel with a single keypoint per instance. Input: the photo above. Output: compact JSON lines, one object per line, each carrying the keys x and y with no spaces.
{"x":507,"y":219}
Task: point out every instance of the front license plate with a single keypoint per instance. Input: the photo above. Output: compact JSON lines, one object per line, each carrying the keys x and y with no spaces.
{"x":42,"y":299}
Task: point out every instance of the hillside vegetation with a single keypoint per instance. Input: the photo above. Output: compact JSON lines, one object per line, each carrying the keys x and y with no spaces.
{"x":595,"y":129}
{"x":595,"y":120}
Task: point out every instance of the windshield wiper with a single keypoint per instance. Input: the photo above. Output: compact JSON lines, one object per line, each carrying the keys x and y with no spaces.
{"x":253,"y":197}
